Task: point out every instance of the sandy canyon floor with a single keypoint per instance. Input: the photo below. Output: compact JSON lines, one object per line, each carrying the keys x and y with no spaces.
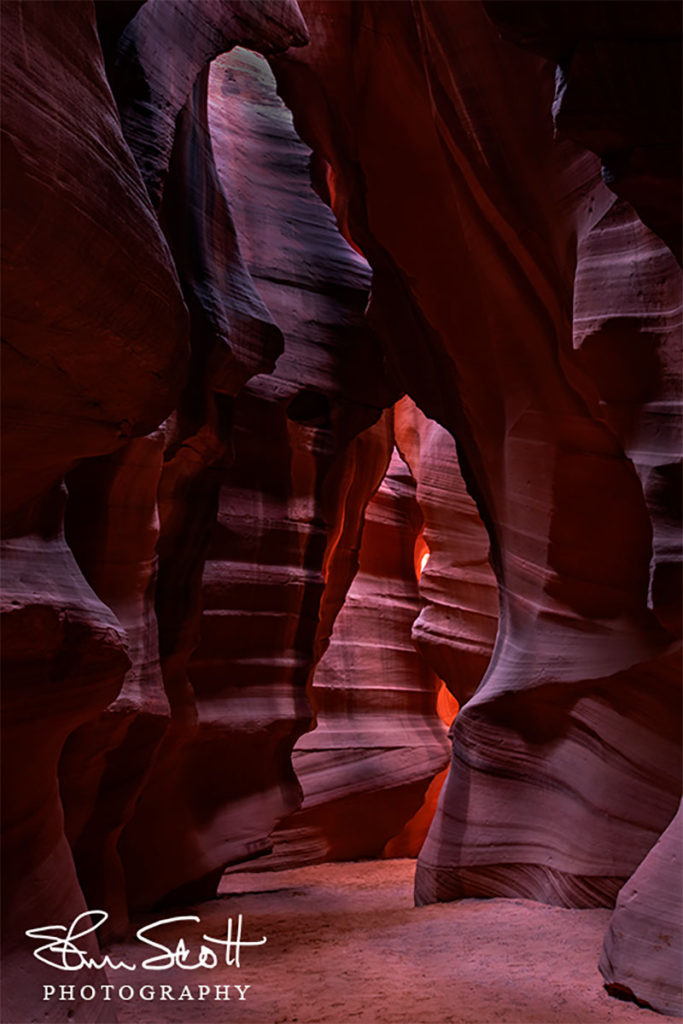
{"x":347,"y":946}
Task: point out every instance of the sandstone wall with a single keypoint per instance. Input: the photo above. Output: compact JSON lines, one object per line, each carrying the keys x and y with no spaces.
{"x":566,"y":761}
{"x":194,"y":425}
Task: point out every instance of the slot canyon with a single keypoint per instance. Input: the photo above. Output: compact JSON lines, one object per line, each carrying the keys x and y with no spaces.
{"x":341,"y":553}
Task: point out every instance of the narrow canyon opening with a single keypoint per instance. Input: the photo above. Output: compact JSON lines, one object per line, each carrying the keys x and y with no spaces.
{"x":372,"y":763}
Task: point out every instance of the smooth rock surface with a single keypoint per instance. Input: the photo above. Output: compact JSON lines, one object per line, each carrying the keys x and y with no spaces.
{"x":617,"y":92}
{"x":583,"y":681}
{"x":95,"y":344}
{"x":95,"y":349}
{"x":457,"y":625}
{"x":197,"y":414}
{"x":642,"y":952}
{"x":237,"y":656}
{"x":162,"y":51}
{"x":378,"y":740}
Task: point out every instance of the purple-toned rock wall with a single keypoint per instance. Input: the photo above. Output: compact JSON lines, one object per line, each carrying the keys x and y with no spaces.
{"x":218,"y":640}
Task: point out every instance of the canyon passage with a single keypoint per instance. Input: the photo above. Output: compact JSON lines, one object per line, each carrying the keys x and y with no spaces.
{"x":341,"y":522}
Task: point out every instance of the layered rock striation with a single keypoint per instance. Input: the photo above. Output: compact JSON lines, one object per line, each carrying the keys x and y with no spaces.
{"x":110,"y":616}
{"x":378,"y":740}
{"x":424,"y":594}
{"x":194,"y":397}
{"x":617,"y":92}
{"x":457,"y":624}
{"x":224,"y":777}
{"x":577,"y":719}
{"x":94,"y":352}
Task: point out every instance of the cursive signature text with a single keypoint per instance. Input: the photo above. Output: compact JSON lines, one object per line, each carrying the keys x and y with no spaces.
{"x":60,"y":947}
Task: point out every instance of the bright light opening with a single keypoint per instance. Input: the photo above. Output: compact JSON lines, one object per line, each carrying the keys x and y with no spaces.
{"x":421,"y":555}
{"x":447,"y":706}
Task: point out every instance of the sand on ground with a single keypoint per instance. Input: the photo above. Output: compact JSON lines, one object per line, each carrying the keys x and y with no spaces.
{"x":345,"y":945}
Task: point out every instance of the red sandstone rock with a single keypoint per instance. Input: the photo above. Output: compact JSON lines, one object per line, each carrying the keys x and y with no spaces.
{"x":487,"y":236}
{"x":113,"y":529}
{"x":359,"y":785}
{"x":378,"y":740}
{"x":455,"y":131}
{"x":233,"y":333}
{"x":456,"y":628}
{"x":627,"y":342}
{"x":63,"y":659}
{"x":95,"y":333}
{"x":642,"y":952}
{"x":103,"y":335}
{"x":627,"y":338}
{"x":617,"y":92}
{"x":233,"y":337}
{"x":224,"y":776}
{"x":86,"y":269}
{"x":161,"y":53}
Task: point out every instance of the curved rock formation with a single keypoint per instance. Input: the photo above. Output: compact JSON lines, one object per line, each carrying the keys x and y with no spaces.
{"x":193,"y":430}
{"x":582,"y":684}
{"x":628,"y":341}
{"x":456,"y":628}
{"x":96,"y":335}
{"x":161,"y":53}
{"x":94,"y":352}
{"x":63,"y":659}
{"x":112,"y":526}
{"x":617,"y":92}
{"x":641,"y":957}
{"x":95,"y":348}
{"x":232,"y":337}
{"x":378,"y":740}
{"x":367,"y":768}
{"x":224,"y":778}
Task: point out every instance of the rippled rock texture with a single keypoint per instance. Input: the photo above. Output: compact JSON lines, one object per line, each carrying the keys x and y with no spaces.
{"x":566,"y":761}
{"x":224,"y":776}
{"x":95,"y":350}
{"x":378,"y":740}
{"x":372,"y":767}
{"x":458,"y":620}
{"x":204,"y":454}
{"x":617,"y":92}
{"x":112,"y":387}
